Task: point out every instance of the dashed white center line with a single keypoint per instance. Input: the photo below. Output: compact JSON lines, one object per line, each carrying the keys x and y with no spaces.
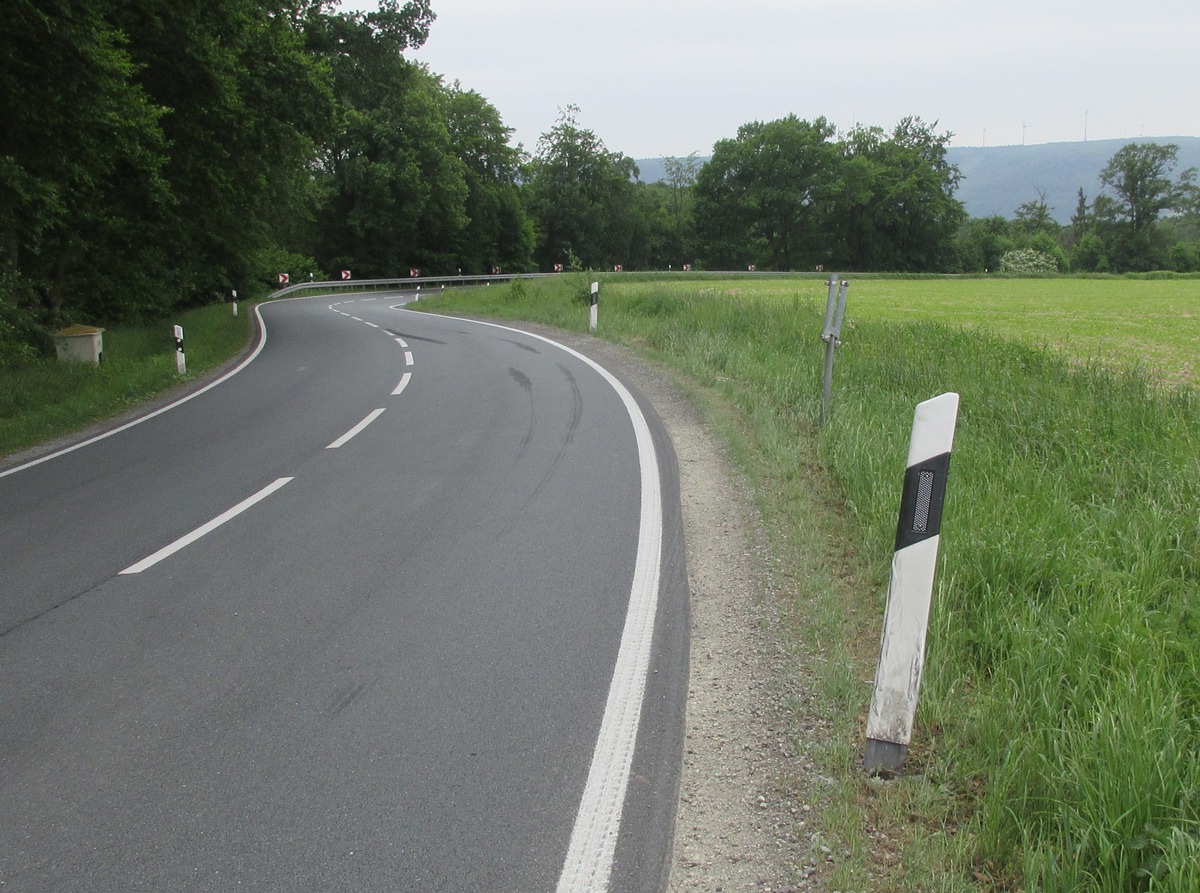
{"x":404,"y":380}
{"x":188,"y":539}
{"x":341,"y":441}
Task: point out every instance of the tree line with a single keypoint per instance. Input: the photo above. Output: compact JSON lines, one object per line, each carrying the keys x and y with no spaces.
{"x":155,"y":156}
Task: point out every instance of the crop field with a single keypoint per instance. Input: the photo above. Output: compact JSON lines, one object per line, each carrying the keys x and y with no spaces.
{"x":1056,"y":738}
{"x":1150,"y":322}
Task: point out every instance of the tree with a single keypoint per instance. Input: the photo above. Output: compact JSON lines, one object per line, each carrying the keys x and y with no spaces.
{"x":581,"y":197}
{"x":245,"y":103}
{"x":82,"y":154}
{"x":895,"y":208}
{"x":680,"y":178}
{"x":394,"y":194}
{"x":1139,"y":174}
{"x":1081,"y":220}
{"x":768,"y":193}
{"x":498,"y":232}
{"x":980,"y":244}
{"x":1034,"y":216}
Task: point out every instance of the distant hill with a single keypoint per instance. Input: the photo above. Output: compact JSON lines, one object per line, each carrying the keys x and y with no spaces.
{"x":999,"y":179}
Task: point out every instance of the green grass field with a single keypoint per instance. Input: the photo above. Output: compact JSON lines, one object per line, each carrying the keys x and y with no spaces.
{"x":48,"y":399}
{"x":1151,"y":322}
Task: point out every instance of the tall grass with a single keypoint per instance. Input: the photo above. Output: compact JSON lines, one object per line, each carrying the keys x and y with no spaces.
{"x":1062,"y":692}
{"x":46,"y":399}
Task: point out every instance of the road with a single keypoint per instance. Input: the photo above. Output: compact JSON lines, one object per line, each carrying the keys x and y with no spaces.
{"x":400,"y":605}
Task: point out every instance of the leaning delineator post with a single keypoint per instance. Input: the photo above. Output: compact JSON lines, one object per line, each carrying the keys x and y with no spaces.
{"x":902,"y":651}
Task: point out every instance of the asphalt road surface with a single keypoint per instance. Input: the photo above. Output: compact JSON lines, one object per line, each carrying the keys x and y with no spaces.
{"x":398,"y":605}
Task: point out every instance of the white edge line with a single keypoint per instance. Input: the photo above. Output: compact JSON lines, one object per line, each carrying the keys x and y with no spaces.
{"x":404,"y":380}
{"x":589,"y":861}
{"x":189,"y":538}
{"x":341,"y":441}
{"x":262,"y":340}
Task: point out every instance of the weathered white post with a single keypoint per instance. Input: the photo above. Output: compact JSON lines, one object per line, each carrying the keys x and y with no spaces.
{"x":902,"y":651}
{"x":233,"y":301}
{"x":592,"y":317}
{"x":180,"y":359}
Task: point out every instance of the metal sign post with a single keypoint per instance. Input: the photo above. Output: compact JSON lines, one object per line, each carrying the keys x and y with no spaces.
{"x":902,"y":650}
{"x":835,"y":309}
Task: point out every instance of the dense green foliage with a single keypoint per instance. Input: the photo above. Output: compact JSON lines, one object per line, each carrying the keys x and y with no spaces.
{"x":155,"y":157}
{"x":788,"y":195}
{"x":1145,"y":221}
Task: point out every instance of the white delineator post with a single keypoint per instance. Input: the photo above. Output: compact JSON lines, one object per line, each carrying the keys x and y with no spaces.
{"x":592,"y":318}
{"x":902,"y":651}
{"x":234,"y":302}
{"x":180,"y":360}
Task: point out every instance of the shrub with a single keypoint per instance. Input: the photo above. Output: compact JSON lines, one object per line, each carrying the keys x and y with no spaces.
{"x":1028,"y":260}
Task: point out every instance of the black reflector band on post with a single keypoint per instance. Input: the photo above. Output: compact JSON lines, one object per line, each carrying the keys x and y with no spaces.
{"x":921,"y":502}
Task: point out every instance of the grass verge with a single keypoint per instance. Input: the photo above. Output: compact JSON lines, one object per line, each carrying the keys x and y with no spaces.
{"x":1060,"y":717}
{"x":47,"y":399}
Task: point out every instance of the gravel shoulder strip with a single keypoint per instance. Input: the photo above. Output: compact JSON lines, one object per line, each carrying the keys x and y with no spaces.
{"x":736,"y":828}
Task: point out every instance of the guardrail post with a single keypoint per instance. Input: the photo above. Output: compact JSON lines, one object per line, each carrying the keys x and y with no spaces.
{"x":835,"y":309}
{"x":902,"y":650}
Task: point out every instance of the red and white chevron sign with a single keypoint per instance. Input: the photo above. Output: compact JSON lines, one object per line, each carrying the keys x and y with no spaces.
{"x":345,"y":274}
{"x":283,"y":278}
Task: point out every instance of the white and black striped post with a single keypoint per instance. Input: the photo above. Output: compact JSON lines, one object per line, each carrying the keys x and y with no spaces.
{"x":233,"y":302}
{"x":593,"y":312}
{"x":902,"y":651}
{"x":180,"y":359}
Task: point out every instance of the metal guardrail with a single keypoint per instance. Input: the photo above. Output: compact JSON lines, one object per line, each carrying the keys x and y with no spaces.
{"x":401,"y":282}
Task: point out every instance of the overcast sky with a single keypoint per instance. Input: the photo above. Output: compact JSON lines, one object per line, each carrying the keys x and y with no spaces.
{"x":669,"y":77}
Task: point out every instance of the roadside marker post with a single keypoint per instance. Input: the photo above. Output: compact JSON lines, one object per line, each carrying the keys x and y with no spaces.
{"x":593,"y":312}
{"x":835,"y":309}
{"x":906,"y":620}
{"x":180,"y":359}
{"x":234,"y":302}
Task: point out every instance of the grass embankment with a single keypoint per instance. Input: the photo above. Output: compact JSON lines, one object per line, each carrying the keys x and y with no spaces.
{"x":47,"y":399}
{"x":1057,"y":734}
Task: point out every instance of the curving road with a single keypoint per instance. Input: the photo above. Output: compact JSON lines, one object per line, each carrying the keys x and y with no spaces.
{"x":399,"y":605}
